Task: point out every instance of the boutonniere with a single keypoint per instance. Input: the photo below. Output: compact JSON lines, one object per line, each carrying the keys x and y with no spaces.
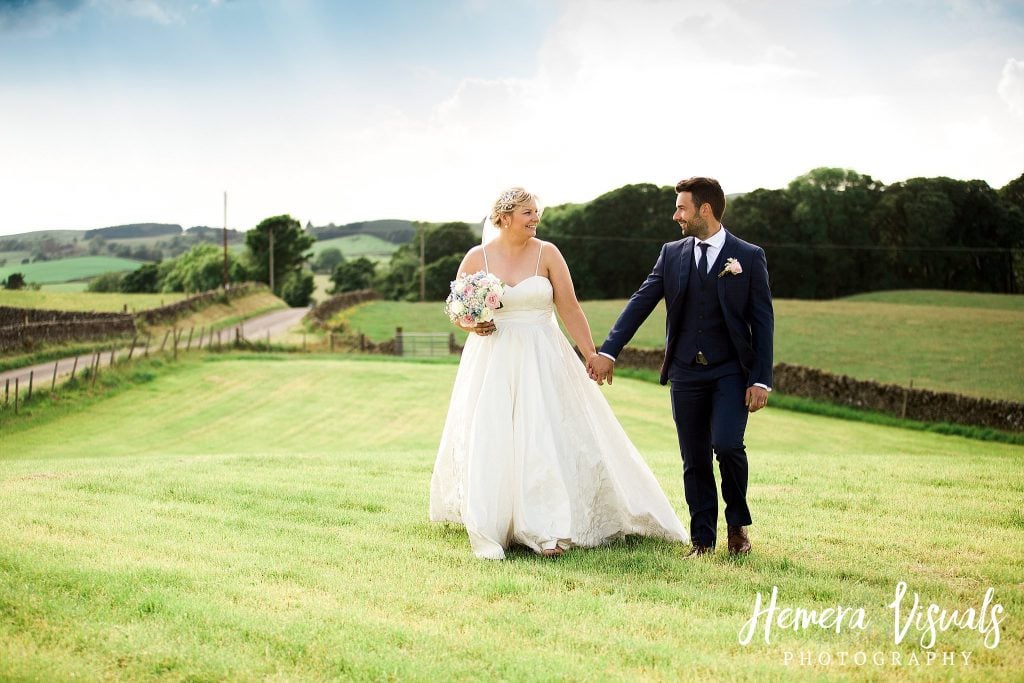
{"x":732,"y":267}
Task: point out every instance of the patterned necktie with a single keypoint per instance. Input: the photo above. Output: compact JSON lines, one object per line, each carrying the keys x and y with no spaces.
{"x":702,"y":264}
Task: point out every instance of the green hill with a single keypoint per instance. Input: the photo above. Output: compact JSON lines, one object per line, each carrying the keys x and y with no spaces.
{"x":66,"y":270}
{"x":354,"y":246}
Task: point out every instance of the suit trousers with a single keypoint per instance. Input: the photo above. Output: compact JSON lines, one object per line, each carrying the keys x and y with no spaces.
{"x":710,"y":415}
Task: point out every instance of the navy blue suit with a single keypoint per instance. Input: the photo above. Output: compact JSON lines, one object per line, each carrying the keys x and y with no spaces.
{"x":708,"y":400}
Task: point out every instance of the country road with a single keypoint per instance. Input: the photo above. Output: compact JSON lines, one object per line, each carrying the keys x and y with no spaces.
{"x":276,"y":323}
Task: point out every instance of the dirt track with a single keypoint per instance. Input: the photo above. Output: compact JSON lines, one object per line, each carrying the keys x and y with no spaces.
{"x":276,"y":323}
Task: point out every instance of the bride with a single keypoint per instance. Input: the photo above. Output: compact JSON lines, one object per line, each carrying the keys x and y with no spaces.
{"x":531,"y":453}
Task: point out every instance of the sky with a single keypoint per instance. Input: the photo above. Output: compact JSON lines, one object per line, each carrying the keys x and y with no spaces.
{"x":335,"y":111}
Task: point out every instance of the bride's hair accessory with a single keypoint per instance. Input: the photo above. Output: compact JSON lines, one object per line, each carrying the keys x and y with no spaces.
{"x":510,"y":200}
{"x":507,"y":202}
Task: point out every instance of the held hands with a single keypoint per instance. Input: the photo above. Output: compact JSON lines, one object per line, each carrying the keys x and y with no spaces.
{"x":756,"y":398}
{"x":600,"y":368}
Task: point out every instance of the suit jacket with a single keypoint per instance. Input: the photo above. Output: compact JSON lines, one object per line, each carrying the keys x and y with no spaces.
{"x":746,"y":301}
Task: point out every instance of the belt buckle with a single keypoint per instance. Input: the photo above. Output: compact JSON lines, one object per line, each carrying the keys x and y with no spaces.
{"x":701,"y":358}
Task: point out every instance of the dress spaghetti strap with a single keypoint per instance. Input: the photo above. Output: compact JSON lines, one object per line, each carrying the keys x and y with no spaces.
{"x":537,"y":269}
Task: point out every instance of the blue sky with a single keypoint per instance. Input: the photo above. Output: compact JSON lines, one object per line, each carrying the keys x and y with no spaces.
{"x":119,"y":111}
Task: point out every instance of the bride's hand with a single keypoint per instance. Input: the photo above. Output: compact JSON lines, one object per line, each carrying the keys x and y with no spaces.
{"x":482,"y":329}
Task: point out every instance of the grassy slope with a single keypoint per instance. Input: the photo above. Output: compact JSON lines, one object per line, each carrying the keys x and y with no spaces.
{"x":65,"y":270}
{"x":961,"y":343}
{"x":87,"y":301}
{"x":354,"y":246}
{"x":271,"y":523}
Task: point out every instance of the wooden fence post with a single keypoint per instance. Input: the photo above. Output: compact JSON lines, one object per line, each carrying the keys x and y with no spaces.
{"x":111,"y":363}
{"x":398,"y":341}
{"x":451,"y":342}
{"x":95,"y":368}
{"x":73,"y":368}
{"x":188,"y":346}
{"x":906,"y":395}
{"x":15,"y":395}
{"x":132,"y":349}
{"x":31,"y":376}
{"x":164,"y":342}
{"x":149,"y":338}
{"x":53,"y":384}
{"x":330,"y":337}
{"x":362,"y":342}
{"x":7,"y":393}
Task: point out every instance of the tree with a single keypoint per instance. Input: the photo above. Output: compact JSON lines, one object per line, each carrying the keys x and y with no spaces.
{"x":1013,"y":192}
{"x":200,"y":269}
{"x":402,"y":281}
{"x":297,"y":288}
{"x":14,"y":281}
{"x":611,"y":243}
{"x":328,"y":260}
{"x":144,"y":279}
{"x":832,"y":221}
{"x":439,"y":276}
{"x":107,"y":282}
{"x":290,"y":249}
{"x":352,"y":275}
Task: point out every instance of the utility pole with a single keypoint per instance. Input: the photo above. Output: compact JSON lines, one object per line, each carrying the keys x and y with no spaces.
{"x":423,"y":265}
{"x":225,"y":239}
{"x":270,"y":234}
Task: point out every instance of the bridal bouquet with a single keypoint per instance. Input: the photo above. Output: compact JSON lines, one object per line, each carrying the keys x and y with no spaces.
{"x":474,"y":298}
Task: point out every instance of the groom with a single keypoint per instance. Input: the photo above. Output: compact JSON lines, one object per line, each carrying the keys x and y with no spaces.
{"x":718,"y":354}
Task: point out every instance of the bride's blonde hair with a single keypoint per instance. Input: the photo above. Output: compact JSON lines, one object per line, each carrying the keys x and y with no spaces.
{"x":510,"y":200}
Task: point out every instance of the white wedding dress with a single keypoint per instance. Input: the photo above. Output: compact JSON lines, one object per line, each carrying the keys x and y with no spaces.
{"x":531,"y":452}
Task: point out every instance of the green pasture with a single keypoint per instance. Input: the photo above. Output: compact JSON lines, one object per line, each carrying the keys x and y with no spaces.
{"x":78,"y":286}
{"x":86,"y":301}
{"x":935,"y":297}
{"x":265,"y":517}
{"x":13,"y":258}
{"x":354,"y":246}
{"x":944,"y":341}
{"x":69,"y":269}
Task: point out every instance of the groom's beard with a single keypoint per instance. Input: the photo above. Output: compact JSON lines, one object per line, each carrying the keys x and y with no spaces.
{"x":697,"y":227}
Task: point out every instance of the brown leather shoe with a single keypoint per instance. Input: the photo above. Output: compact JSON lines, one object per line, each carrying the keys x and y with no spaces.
{"x":698,"y":551}
{"x":739,"y":542}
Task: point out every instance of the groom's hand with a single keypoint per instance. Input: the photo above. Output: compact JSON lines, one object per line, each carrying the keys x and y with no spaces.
{"x":757,"y":398}
{"x":600,"y":368}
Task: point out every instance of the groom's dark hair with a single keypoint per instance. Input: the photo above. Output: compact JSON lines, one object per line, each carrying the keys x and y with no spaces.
{"x":704,"y":191}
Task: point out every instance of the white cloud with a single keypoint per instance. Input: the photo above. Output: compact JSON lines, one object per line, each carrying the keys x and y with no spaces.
{"x":622,"y":92}
{"x":1011,"y":85}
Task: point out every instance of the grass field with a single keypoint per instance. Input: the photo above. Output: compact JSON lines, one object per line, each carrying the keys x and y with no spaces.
{"x":86,"y":301}
{"x":932,"y":297}
{"x":69,"y":269}
{"x":354,"y":246}
{"x":262,"y":518}
{"x":79,"y":286}
{"x":944,"y":341}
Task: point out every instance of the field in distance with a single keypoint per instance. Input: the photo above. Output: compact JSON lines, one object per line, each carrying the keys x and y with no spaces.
{"x":945,"y":341}
{"x":355,"y":246}
{"x":87,"y":301}
{"x":69,"y":269}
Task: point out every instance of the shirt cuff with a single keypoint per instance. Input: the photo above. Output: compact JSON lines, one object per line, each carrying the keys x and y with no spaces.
{"x":606,"y":355}
{"x":763,"y":386}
